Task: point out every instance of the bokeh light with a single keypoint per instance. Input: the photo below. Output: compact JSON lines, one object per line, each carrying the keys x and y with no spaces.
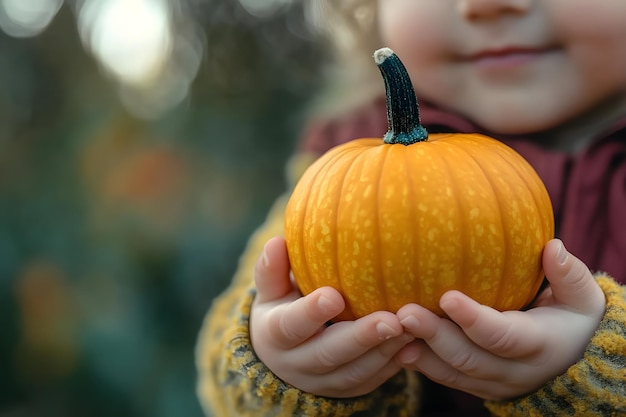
{"x":25,"y":18}
{"x":263,"y":8}
{"x":132,"y":38}
{"x":136,"y":43}
{"x":152,"y":50}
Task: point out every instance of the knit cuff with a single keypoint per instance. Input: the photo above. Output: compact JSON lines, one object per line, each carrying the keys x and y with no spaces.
{"x":253,"y":389}
{"x":596,"y":385}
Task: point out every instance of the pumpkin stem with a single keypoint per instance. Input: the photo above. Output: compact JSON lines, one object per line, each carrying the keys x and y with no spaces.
{"x":403,"y":114}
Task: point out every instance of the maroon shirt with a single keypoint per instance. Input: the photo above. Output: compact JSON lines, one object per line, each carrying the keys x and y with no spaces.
{"x":588,"y":193}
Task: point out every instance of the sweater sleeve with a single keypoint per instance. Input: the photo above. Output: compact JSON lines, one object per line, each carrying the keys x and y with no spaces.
{"x":596,"y":385}
{"x":232,"y":381}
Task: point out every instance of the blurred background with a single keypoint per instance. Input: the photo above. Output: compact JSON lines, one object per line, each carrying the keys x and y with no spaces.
{"x":141,"y":141}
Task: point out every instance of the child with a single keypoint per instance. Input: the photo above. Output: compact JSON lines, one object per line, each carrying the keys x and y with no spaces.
{"x":547,"y":77}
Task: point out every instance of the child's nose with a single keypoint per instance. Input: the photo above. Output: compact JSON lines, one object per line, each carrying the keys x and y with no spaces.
{"x":481,"y":9}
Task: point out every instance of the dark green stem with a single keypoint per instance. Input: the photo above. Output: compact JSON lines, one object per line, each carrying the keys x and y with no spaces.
{"x":403,"y":114}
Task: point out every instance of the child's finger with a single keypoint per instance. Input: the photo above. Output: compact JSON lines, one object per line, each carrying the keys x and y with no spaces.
{"x":571,"y":281}
{"x":363,"y":375}
{"x":418,"y":356}
{"x":292,"y":323}
{"x":509,"y":334}
{"x":346,"y":341}
{"x":371,"y":369}
{"x":271,"y":272}
{"x":449,"y":342}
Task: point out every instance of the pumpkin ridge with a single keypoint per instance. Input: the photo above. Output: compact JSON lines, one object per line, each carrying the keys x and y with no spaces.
{"x":539,"y":202}
{"x":378,"y":265}
{"x":338,"y":206}
{"x":311,"y":202}
{"x":340,"y":156}
{"x":304,"y":262}
{"x":412,"y":198}
{"x":533,"y":188}
{"x":462,"y":220}
{"x":524,"y":171}
{"x":494,"y":189}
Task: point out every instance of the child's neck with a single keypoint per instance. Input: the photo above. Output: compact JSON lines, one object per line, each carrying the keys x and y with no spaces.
{"x":577,"y":134}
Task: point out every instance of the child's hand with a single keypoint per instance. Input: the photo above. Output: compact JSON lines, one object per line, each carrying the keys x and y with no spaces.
{"x":289,"y":334}
{"x":502,"y":355}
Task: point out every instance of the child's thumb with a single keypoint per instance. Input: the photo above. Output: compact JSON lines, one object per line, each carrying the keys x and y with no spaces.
{"x":571,"y":281}
{"x":271,"y":272}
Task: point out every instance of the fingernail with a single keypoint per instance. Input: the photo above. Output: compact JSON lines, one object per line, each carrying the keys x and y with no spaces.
{"x":448,"y":304}
{"x":561,"y":254}
{"x":408,"y":358}
{"x":407,"y":337}
{"x":324,"y":304}
{"x":385,"y":331}
{"x":264,"y":258}
{"x":410,"y":322}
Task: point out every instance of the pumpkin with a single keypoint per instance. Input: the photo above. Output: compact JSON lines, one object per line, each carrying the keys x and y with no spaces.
{"x":407,"y":218}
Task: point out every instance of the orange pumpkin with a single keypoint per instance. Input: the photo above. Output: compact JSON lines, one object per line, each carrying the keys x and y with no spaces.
{"x":405,"y":219}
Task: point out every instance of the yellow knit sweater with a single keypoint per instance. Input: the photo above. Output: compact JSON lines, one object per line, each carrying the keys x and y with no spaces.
{"x":232,"y":381}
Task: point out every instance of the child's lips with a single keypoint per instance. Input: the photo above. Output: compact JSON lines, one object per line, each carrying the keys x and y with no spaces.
{"x":507,"y":57}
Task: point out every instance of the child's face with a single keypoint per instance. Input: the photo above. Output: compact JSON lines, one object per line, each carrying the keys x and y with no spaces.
{"x":513,"y":66}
